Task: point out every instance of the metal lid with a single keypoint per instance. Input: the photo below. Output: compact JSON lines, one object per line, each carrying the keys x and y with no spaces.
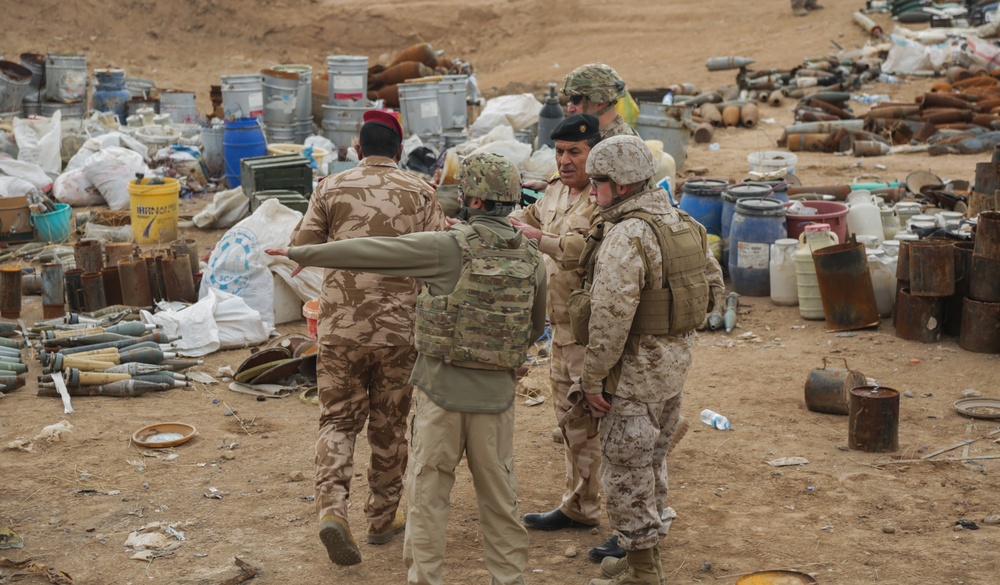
{"x":705,"y":186}
{"x":744,"y":190}
{"x":760,"y":207}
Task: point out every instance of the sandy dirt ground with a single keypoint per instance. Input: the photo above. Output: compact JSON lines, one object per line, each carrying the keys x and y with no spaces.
{"x":846,"y":517}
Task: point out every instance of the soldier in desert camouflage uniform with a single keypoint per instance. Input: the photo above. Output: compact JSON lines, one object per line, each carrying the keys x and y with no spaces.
{"x":595,"y":89}
{"x":652,"y":281}
{"x":365,"y":335}
{"x":483,"y":303}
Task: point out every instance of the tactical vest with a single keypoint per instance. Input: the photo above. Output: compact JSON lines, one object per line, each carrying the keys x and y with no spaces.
{"x":485,"y":323}
{"x":676,"y":308}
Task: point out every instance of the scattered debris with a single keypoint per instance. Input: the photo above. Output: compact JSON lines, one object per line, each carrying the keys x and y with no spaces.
{"x":786,"y":461}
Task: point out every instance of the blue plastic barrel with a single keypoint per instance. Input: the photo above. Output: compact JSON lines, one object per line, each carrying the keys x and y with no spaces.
{"x":702,"y":200}
{"x":729,"y":198}
{"x":242,"y":138}
{"x":757,"y":224}
{"x":111,"y":95}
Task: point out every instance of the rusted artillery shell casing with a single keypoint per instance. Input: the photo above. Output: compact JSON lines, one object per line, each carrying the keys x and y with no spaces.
{"x":955,"y":74}
{"x":830,"y":108}
{"x":31,"y":284}
{"x":52,"y":290}
{"x":749,"y":115}
{"x":399,"y":73}
{"x":135,"y":282}
{"x":980,"y":330}
{"x":178,"y":280}
{"x":839,"y":192}
{"x":893,"y":112}
{"x":988,"y":235}
{"x":74,"y":289}
{"x":984,"y":285}
{"x":932,"y":268}
{"x":155,"y":273}
{"x":730,"y":116}
{"x":711,"y":114}
{"x":845,"y":285}
{"x":189,"y":248}
{"x":806,"y":142}
{"x":89,"y":256}
{"x":118,"y":251}
{"x":942,"y":100}
{"x":10,"y":292}
{"x":918,"y":318}
{"x":775,"y":98}
{"x":948,"y":117}
{"x":873,"y":426}
{"x":985,"y":120}
{"x":112,"y":285}
{"x":826,"y":389}
{"x":703,"y":133}
{"x":817,"y":117}
{"x":93,"y":291}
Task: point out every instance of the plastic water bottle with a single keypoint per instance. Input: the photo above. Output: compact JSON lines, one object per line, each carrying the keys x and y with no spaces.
{"x":889,"y":78}
{"x":714,"y":419}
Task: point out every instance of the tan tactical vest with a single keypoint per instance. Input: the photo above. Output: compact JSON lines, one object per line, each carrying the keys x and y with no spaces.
{"x":681,"y":304}
{"x":485,"y":323}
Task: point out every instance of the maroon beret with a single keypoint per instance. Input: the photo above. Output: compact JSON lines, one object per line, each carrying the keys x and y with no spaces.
{"x":384,"y":119}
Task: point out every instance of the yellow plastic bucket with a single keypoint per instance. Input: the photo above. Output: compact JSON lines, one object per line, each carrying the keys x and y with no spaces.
{"x":154,"y":210}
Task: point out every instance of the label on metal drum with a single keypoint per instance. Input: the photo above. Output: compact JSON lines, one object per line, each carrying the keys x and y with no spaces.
{"x":429,"y":110}
{"x":348,"y":87}
{"x":753,"y":256}
{"x":256,"y":102}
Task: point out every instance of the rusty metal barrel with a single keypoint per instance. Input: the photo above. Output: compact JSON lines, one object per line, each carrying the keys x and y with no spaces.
{"x":53,"y":295}
{"x":93,"y":291}
{"x":918,"y":318}
{"x":189,"y":248}
{"x":826,"y":389}
{"x":178,"y":280}
{"x":988,"y":235}
{"x":984,"y":284}
{"x":10,"y":292}
{"x":845,"y":286}
{"x":112,"y":285}
{"x":873,"y":425}
{"x":89,"y":256}
{"x":118,"y":251}
{"x":963,"y":276}
{"x":932,"y":268}
{"x":74,"y":289}
{"x":980,"y":327}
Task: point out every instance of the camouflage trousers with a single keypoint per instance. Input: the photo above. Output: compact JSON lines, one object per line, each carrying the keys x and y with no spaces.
{"x":634,"y":440}
{"x":440,"y":439}
{"x":581,"y":501}
{"x":358,"y":384}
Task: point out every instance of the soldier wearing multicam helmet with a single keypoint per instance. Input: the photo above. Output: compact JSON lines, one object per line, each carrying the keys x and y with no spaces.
{"x":651,"y":279}
{"x":595,"y":89}
{"x":482,"y":304}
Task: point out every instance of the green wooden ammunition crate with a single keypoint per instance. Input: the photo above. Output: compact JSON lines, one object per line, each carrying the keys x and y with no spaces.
{"x":267,"y":173}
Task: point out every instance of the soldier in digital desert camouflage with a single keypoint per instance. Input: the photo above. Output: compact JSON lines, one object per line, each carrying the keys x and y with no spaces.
{"x":652,"y":279}
{"x":366,"y":334}
{"x":482,"y":305}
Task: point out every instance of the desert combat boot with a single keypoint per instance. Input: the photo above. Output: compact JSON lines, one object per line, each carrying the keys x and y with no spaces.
{"x":642,"y":567}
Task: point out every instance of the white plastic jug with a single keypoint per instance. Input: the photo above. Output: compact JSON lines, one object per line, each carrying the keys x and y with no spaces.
{"x":815,"y":237}
{"x":890,"y":223}
{"x":864,"y":217}
{"x":883,"y":271}
{"x":784,"y":290}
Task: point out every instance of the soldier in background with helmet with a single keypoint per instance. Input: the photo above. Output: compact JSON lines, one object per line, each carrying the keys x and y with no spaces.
{"x":652,"y":280}
{"x":595,"y":89}
{"x":366,"y":334}
{"x":482,"y":305}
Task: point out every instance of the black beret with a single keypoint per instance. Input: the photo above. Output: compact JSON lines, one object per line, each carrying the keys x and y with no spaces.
{"x":577,"y":127}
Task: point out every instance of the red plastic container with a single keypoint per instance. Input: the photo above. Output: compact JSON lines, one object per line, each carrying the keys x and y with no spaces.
{"x":833,"y":213}
{"x":310,"y":310}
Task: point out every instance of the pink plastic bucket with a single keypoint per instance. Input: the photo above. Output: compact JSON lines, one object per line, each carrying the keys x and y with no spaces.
{"x":833,"y":213}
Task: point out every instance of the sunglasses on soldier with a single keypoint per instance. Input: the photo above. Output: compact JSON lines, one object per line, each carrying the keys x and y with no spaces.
{"x":595,"y":180}
{"x":576,"y":100}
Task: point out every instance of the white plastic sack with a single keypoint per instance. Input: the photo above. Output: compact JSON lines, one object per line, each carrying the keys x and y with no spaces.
{"x":28,"y":171}
{"x":239,"y":325}
{"x":982,"y":53}
{"x":39,"y":141}
{"x":75,"y":188}
{"x":217,"y":321}
{"x":520,"y":110}
{"x":225,"y":209}
{"x":502,"y":132}
{"x":238,"y":264}
{"x":110,"y":170}
{"x":906,"y":56}
{"x":540,"y":165}
{"x":16,"y":187}
{"x":95,"y":144}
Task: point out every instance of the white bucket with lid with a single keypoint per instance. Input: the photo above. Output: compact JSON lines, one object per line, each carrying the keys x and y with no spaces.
{"x":769,"y":161}
{"x":348,"y":79}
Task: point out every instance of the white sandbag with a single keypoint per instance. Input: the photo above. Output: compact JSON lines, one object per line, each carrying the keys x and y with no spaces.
{"x":39,"y":141}
{"x":514,"y":151}
{"x":497,"y":133}
{"x":199,"y":334}
{"x":540,"y":165}
{"x":521,"y":110}
{"x":238,"y":264}
{"x":16,"y":187}
{"x":28,"y":171}
{"x":225,"y":209}
{"x":239,"y":325}
{"x":110,"y":170}
{"x":907,"y":55}
{"x":74,"y":188}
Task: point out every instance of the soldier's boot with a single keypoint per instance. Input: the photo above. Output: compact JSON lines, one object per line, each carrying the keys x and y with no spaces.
{"x":557,"y":435}
{"x":338,"y":540}
{"x":680,"y":430}
{"x":642,"y":568}
{"x":383,"y":536}
{"x":612,"y":567}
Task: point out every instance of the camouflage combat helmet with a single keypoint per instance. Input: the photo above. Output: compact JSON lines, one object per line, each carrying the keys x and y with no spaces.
{"x":490,"y":177}
{"x":596,"y":81}
{"x":625,"y":159}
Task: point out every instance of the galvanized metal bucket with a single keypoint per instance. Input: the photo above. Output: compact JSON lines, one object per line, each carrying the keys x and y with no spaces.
{"x":281,"y":93}
{"x":348,"y":79}
{"x":242,"y":96}
{"x":66,"y":78}
{"x":418,"y":103}
{"x":451,"y":102}
{"x":670,"y":124}
{"x":341,"y":124}
{"x":180,"y":106}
